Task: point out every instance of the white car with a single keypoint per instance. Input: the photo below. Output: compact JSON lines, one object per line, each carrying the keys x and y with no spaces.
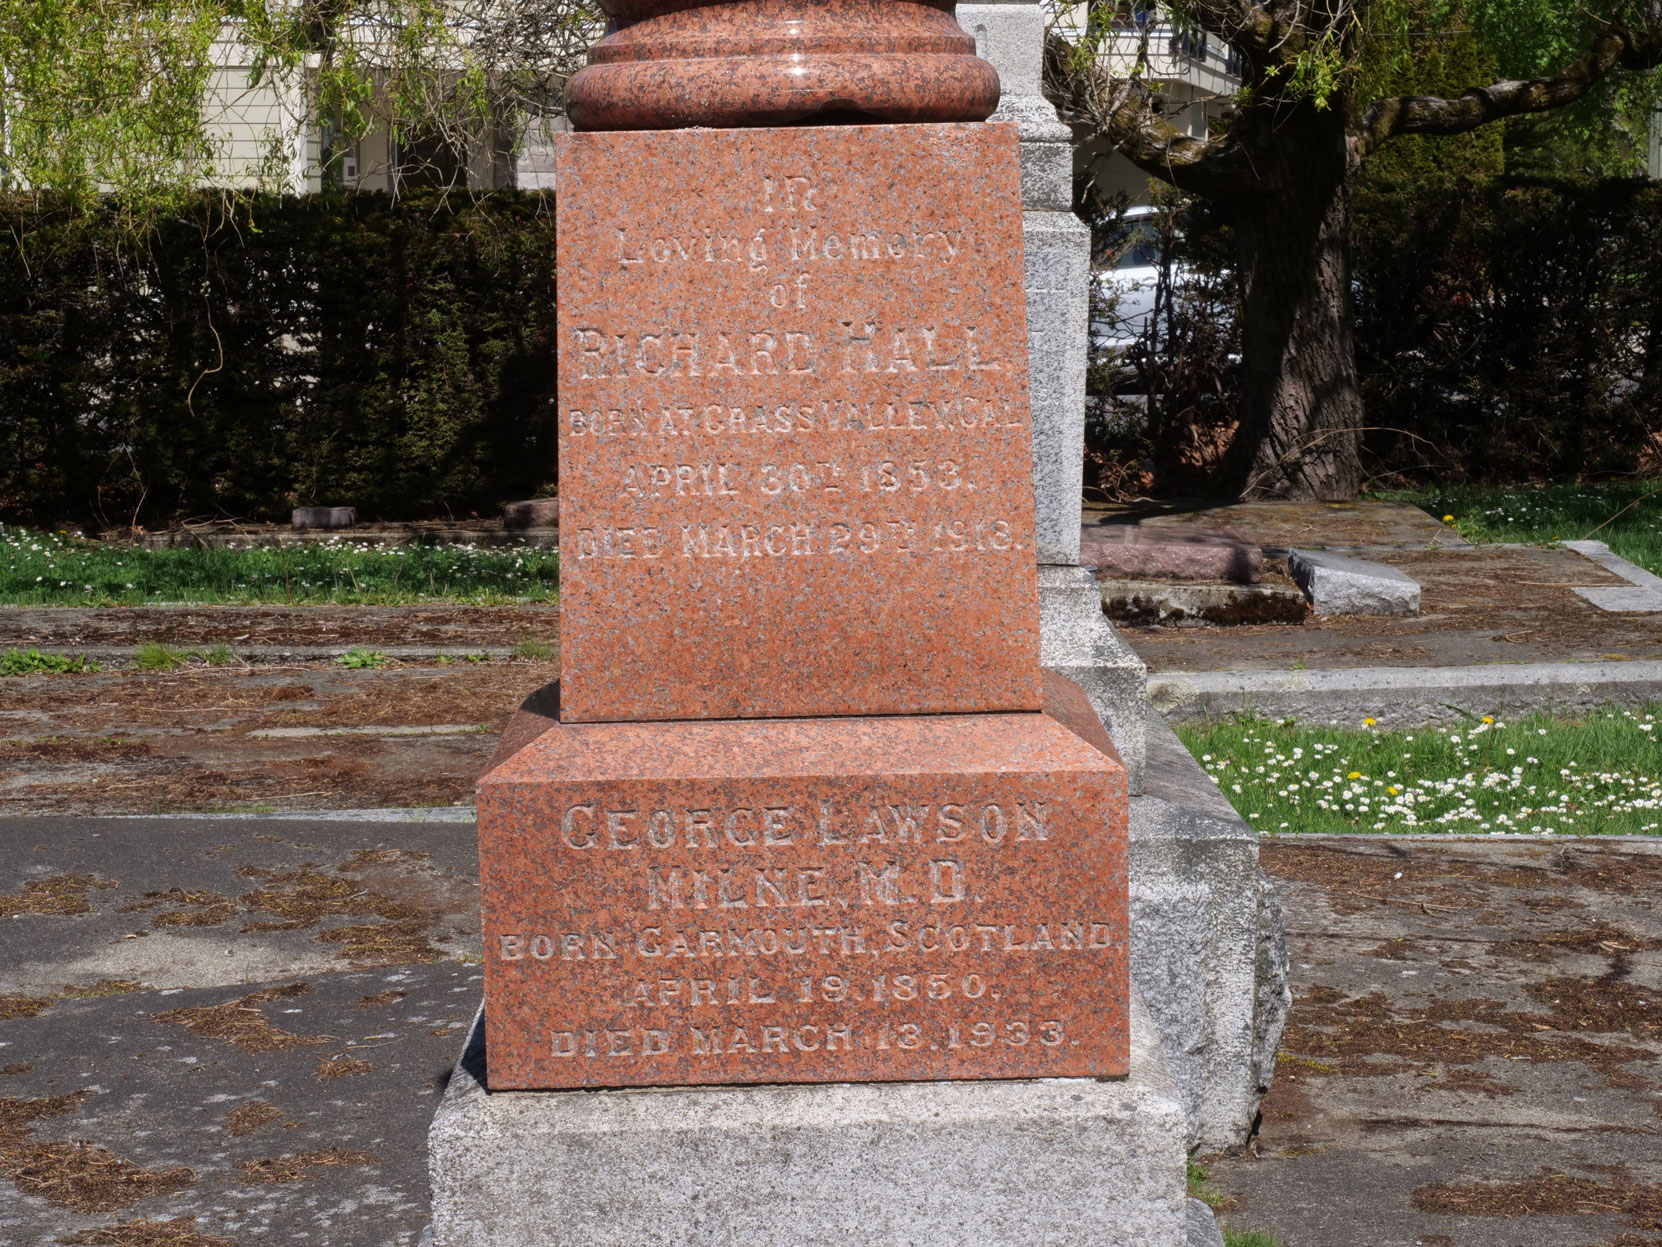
{"x":1130,"y":269}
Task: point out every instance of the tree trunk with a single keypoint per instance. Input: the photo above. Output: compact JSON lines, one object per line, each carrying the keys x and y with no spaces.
{"x":1301,"y":406}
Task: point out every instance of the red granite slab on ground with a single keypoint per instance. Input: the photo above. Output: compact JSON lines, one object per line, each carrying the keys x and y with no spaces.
{"x":806,"y":901}
{"x":795,"y":462}
{"x":1174,"y":552}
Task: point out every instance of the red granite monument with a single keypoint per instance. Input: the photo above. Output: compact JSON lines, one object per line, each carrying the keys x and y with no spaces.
{"x":802,"y":808}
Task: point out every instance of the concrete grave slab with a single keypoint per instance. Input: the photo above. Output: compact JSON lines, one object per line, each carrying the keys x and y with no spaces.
{"x":1337,"y":585}
{"x":301,"y":1133}
{"x":1472,"y":613}
{"x":1337,"y":526}
{"x":265,"y":1082}
{"x":1468,"y":1060}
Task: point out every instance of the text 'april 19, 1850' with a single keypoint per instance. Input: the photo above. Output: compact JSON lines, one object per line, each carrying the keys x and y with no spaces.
{"x":923,"y":925}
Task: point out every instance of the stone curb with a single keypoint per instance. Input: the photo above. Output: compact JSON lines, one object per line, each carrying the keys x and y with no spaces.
{"x":414,"y":814}
{"x":1403,"y":696}
{"x":270,"y":655}
{"x":1642,"y":593}
{"x":1565,"y":838}
{"x":1599,"y":553}
{"x":276,"y":538}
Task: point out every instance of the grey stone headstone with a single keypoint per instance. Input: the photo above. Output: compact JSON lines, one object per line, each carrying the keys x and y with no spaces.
{"x":323,"y":517}
{"x":1338,"y":585}
{"x":1076,"y":639}
{"x":1206,"y":929}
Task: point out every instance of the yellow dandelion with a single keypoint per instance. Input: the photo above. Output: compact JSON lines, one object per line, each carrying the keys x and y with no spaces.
{"x":1392,"y":789}
{"x":1448,"y":519}
{"x":1354,"y":775}
{"x":1367,"y":722}
{"x":1488,"y":718}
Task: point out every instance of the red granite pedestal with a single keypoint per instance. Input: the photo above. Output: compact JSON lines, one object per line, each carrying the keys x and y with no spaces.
{"x":819,"y":900}
{"x":809,"y":813}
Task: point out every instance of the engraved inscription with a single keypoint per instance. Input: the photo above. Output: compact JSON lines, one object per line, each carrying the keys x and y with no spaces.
{"x":847,"y":1038}
{"x":797,"y":378}
{"x":857,"y":346}
{"x":718,"y":952}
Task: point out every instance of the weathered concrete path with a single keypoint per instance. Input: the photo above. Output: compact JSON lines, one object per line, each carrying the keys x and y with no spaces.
{"x":1477,"y":1031}
{"x":241,"y":1022}
{"x":1472,"y":1055}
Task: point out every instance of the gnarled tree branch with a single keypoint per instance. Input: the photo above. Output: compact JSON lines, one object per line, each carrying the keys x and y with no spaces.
{"x":1123,"y":111}
{"x":1420,"y":114}
{"x":1245,"y":25}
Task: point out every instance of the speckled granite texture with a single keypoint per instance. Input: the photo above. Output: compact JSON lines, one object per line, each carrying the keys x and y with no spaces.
{"x":773,"y":62}
{"x":813,"y":900}
{"x":794,"y":444}
{"x":1043,"y":1163}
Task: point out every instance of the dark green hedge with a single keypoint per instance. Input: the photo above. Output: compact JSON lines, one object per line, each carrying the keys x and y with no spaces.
{"x":1506,"y":331}
{"x":249,"y":356}
{"x":1511,"y":331}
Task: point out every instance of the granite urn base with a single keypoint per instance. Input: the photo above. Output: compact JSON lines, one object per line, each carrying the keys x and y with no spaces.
{"x":1058,"y":1162}
{"x":811,"y":900}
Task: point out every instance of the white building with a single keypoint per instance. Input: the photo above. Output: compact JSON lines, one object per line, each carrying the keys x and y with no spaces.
{"x":1195,"y":75}
{"x":264,"y":133}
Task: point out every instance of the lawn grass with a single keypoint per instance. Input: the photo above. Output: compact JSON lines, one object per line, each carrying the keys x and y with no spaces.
{"x":56,"y":569}
{"x":1627,"y":515}
{"x":1600,"y":774}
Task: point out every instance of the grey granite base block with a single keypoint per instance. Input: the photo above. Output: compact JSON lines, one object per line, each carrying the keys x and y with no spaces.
{"x":1208,"y":948}
{"x":1068,"y":1162}
{"x":1077,"y":641}
{"x":1203,"y":1226}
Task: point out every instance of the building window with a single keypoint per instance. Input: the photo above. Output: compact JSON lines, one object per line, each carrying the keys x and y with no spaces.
{"x":1191,"y":44}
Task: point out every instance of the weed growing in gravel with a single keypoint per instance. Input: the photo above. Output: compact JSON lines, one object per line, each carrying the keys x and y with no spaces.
{"x":360,"y":659}
{"x":1601,"y":774}
{"x":59,"y":569}
{"x":1627,"y":516}
{"x":32,"y":661}
{"x":154,"y":656}
{"x":1198,"y":1179}
{"x":534,"y":651}
{"x":1249,"y":1238}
